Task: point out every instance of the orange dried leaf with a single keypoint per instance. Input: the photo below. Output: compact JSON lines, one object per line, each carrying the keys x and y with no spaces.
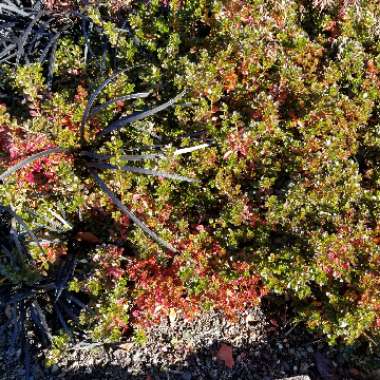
{"x":231,"y":80}
{"x":225,"y":354}
{"x":371,"y":67}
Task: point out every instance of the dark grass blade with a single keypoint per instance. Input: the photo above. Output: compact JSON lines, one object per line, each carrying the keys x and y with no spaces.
{"x":131,"y":169}
{"x":47,"y":47}
{"x":139,"y":95}
{"x":35,"y":42}
{"x":8,"y":49}
{"x":23,"y":39}
{"x":38,"y":325}
{"x":13,"y":8}
{"x":39,"y":319}
{"x":53,"y":226}
{"x":129,"y":213}
{"x":27,"y":356}
{"x":19,"y":247}
{"x":128,"y":157}
{"x":26,"y":294}
{"x":6,"y":273}
{"x":104,"y":53}
{"x":62,"y":321}
{"x":8,"y":253}
{"x":52,"y":44}
{"x":85,"y":32}
{"x":20,"y":296}
{"x":46,"y":286}
{"x":68,"y":310}
{"x":158,"y":174}
{"x":28,"y":161}
{"x":75,"y":300}
{"x":4,"y":327}
{"x":64,"y":275}
{"x":50,"y":73}
{"x":94,"y":155}
{"x":28,"y":230}
{"x":5,"y":290}
{"x":122,"y":122}
{"x":92,"y":100}
{"x":6,"y":59}
{"x":6,"y":25}
{"x":25,"y":346}
{"x":142,"y":157}
{"x":14,"y":339}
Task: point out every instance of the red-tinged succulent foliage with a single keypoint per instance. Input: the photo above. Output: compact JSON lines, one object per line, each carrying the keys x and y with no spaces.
{"x":109,"y":262}
{"x":59,"y":5}
{"x":42,"y":173}
{"x":286,"y":96}
{"x":198,"y":278}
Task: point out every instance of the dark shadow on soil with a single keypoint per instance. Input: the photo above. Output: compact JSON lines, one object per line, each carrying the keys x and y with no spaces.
{"x":266,"y":345}
{"x":281,"y":354}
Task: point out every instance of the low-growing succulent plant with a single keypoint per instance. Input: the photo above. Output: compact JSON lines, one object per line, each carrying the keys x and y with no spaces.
{"x":287,"y":91}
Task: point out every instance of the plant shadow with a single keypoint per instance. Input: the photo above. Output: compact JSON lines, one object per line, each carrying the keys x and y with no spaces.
{"x":262,"y":351}
{"x":258,"y":346}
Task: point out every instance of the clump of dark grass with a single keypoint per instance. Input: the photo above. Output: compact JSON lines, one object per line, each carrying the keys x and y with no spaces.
{"x":92,"y":162}
{"x":33,"y":306}
{"x":30,"y":32}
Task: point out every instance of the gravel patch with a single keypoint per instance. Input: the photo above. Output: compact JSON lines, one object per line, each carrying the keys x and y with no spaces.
{"x":179,"y":349}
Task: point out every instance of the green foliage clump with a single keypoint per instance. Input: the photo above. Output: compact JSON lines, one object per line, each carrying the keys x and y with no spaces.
{"x":287,"y":97}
